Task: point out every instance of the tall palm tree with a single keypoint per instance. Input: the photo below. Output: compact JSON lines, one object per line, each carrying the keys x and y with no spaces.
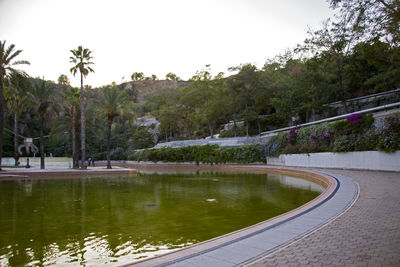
{"x":41,"y":95}
{"x":7,"y":56}
{"x":16,"y":97}
{"x":81,"y":60}
{"x":113,"y":105}
{"x":71,"y":96}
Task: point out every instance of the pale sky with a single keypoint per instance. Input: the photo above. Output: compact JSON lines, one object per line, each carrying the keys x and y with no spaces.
{"x":154,"y":36}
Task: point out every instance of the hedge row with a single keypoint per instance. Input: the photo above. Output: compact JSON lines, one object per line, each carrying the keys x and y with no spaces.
{"x":212,"y":154}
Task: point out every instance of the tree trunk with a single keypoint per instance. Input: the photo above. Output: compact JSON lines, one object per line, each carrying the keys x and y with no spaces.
{"x":342,"y":89}
{"x":16,"y":154}
{"x":41,"y":143}
{"x":1,"y":117}
{"x":82,"y":98}
{"x":210,"y":126}
{"x":108,"y":143}
{"x":75,"y":156}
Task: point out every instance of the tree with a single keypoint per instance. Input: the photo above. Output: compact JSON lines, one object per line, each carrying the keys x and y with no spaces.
{"x":41,"y":96}
{"x":247,"y":89}
{"x":113,"y":104}
{"x":137,"y":76}
{"x":16,"y":98}
{"x":71,"y":96}
{"x":172,"y":77}
{"x":7,"y":63}
{"x":142,"y":138}
{"x":81,"y":60}
{"x":206,"y":98}
{"x":372,"y":18}
{"x":334,"y":42}
{"x":63,"y":79}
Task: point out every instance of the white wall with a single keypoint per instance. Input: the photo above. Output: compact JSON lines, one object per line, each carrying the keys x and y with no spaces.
{"x":35,"y":162}
{"x":364,"y":160}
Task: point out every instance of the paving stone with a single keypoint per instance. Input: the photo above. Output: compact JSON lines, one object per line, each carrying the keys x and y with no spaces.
{"x":205,"y":261}
{"x":235,"y":253}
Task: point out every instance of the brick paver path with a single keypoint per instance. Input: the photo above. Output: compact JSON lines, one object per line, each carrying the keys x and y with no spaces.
{"x":368,"y":234}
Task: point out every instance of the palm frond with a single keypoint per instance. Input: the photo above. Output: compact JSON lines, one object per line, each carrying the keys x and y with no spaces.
{"x":2,"y":45}
{"x":73,"y":70}
{"x":20,"y":62}
{"x":8,"y":59}
{"x":9,"y":50}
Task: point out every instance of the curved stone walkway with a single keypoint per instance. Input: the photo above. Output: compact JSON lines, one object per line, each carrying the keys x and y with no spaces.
{"x":368,"y":234}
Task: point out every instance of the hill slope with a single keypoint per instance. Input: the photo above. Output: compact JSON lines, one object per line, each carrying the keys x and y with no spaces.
{"x":147,"y":87}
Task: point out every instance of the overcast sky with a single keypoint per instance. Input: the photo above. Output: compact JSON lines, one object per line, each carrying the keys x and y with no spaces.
{"x":154,"y":36}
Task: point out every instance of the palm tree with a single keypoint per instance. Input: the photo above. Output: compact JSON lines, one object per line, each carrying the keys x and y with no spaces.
{"x":81,"y":60}
{"x":16,"y":99}
{"x":7,"y":55}
{"x":42,"y":99}
{"x":113,"y":105}
{"x":71,"y":96}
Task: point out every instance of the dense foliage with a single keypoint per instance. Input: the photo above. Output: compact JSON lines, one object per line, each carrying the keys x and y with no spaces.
{"x":212,"y":154}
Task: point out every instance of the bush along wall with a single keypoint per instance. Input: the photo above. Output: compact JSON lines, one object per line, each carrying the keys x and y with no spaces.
{"x":211,"y":154}
{"x":355,"y":133}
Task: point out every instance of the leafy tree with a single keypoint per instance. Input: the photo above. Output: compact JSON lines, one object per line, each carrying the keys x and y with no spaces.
{"x":169,"y":117}
{"x":372,"y":18}
{"x":7,"y":63}
{"x":63,"y":79}
{"x":41,"y":96}
{"x":248,"y":91}
{"x":206,"y":100}
{"x":81,"y":60}
{"x":137,"y":76}
{"x":172,"y":77}
{"x":142,"y":138}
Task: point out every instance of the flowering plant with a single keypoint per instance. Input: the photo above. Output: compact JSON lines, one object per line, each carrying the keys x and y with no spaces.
{"x":292,"y":132}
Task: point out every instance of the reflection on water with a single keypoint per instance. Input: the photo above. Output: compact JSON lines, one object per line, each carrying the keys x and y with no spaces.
{"x":116,"y":220}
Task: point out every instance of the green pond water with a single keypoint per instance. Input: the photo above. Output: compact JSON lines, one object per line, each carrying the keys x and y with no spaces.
{"x":117,"y":220}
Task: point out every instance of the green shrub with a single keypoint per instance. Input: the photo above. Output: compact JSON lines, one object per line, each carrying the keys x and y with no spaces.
{"x":353,"y":124}
{"x":390,"y":134}
{"x":211,"y":154}
{"x":343,"y":143}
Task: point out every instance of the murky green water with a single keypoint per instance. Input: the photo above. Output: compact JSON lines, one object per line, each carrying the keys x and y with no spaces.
{"x":92,"y":221}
